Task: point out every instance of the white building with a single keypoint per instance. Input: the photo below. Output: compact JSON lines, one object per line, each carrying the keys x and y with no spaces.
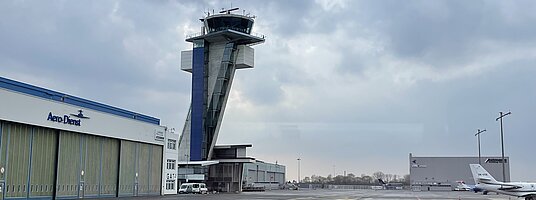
{"x":171,"y":152}
{"x":54,"y":145}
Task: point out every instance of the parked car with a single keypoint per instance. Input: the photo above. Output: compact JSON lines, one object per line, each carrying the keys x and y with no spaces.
{"x":199,"y":188}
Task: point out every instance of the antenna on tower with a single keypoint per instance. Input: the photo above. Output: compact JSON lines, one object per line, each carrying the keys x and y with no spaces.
{"x":228,"y":11}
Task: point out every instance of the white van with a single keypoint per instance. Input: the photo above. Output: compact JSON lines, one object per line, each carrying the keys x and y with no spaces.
{"x":199,"y":188}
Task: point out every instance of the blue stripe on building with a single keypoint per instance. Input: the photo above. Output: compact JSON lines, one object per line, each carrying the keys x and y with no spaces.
{"x":68,"y":99}
{"x":198,"y":99}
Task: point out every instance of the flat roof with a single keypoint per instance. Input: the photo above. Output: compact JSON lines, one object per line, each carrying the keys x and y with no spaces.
{"x":458,"y":156}
{"x":230,"y":146}
{"x":228,"y":34}
{"x":202,"y":163}
{"x":72,"y":100}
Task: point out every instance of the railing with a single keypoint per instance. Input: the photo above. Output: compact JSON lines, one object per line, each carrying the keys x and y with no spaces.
{"x":194,"y":35}
{"x":258,"y":35}
{"x":201,"y":33}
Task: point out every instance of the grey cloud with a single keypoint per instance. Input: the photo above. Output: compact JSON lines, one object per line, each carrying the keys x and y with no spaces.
{"x":261,"y":90}
{"x":79,"y":43}
{"x":447,"y":33}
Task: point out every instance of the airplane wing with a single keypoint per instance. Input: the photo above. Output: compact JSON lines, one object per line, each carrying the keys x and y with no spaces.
{"x":504,"y":186}
{"x":509,"y":187}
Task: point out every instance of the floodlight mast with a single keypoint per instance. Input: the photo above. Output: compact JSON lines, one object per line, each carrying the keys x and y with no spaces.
{"x":478,"y":134}
{"x":500,"y":118}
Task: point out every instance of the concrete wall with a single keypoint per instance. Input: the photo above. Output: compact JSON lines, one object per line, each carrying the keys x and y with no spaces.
{"x":186,"y":60}
{"x":215,"y":56}
{"x":245,"y":57}
{"x":184,"y":139}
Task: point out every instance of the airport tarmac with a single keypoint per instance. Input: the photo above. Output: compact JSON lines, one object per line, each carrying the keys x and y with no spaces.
{"x":335,"y":195}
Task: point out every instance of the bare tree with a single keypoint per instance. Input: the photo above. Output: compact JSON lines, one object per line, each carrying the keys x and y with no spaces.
{"x":378,"y":175}
{"x":406,"y":179}
{"x":366,"y":179}
{"x":388,"y":177}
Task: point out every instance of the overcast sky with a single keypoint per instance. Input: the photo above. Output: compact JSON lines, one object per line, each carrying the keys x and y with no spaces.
{"x":344,"y":85}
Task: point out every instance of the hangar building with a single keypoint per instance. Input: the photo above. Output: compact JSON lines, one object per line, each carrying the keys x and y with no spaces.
{"x":57,"y":146}
{"x":441,"y":173}
{"x":263,"y":174}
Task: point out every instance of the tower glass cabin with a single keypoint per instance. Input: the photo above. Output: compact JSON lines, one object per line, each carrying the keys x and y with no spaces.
{"x":238,"y":23}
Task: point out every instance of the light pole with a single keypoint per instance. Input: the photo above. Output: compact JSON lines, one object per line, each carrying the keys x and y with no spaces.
{"x":299,"y":159}
{"x":478,"y":134}
{"x":271,"y":176}
{"x":186,"y":168}
{"x":333,"y":171}
{"x":502,"y":141}
{"x":276,"y":171}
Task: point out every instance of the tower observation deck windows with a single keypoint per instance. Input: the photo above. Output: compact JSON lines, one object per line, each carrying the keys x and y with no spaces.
{"x":229,"y":22}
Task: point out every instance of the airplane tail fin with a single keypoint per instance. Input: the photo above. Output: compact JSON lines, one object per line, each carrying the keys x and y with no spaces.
{"x":381,"y":181}
{"x":480,"y":175}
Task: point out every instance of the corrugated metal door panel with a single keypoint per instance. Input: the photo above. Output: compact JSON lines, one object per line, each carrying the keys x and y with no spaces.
{"x":68,"y":164}
{"x":18,"y":160}
{"x":1,"y":163}
{"x":127,"y":169}
{"x":83,"y":155}
{"x":43,"y":158}
{"x":92,"y":165}
{"x":156,"y":169}
{"x":3,"y":147}
{"x":110,"y":157}
{"x":143,"y":168}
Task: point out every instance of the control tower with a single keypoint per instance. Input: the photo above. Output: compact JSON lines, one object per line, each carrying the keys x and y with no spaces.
{"x":223,"y":46}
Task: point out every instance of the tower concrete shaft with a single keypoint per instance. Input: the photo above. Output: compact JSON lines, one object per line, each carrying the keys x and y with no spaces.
{"x":223,"y":46}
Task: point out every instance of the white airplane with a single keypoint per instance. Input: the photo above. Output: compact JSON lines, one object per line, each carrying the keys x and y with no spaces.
{"x":486,"y":183}
{"x":462,"y":186}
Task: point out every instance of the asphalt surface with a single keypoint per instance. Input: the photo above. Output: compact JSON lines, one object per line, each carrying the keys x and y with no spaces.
{"x":332,"y":194}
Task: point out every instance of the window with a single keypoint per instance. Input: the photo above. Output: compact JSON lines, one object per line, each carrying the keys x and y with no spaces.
{"x":171,"y":164}
{"x":199,"y":43}
{"x":170,"y":184}
{"x":171,"y":144}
